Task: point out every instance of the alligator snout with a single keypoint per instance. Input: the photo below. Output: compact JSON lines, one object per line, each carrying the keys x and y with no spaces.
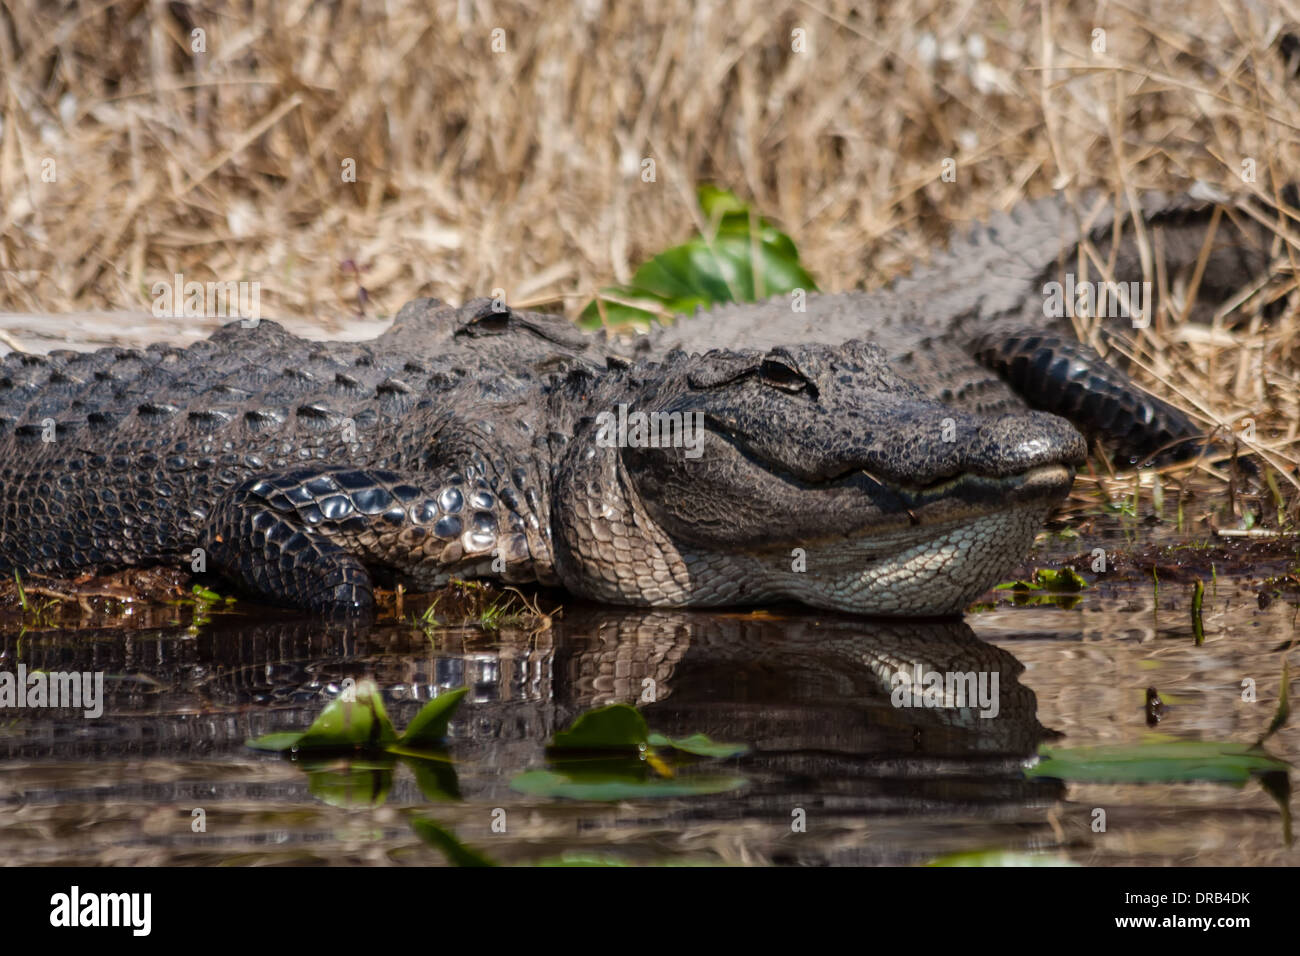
{"x":1012,"y":444}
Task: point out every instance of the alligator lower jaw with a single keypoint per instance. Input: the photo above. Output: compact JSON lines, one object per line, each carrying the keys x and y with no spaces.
{"x":934,"y":571}
{"x":957,"y":540}
{"x":938,"y":559}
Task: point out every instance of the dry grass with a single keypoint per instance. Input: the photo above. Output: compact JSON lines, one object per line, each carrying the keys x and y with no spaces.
{"x":521,"y":170}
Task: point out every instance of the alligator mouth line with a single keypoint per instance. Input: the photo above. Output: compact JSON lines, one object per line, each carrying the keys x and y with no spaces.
{"x":966,"y":497}
{"x":1043,"y":479}
{"x":1037,"y":490}
{"x":1039,"y":482}
{"x":1033,"y":477}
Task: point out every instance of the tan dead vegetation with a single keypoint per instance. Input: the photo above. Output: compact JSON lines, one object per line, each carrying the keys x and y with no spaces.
{"x":514,"y":160}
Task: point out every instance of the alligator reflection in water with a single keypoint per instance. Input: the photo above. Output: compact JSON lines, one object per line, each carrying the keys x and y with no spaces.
{"x":814,"y":696}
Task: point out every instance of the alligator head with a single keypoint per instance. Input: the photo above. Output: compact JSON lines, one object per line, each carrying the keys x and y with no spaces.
{"x":809,"y":473}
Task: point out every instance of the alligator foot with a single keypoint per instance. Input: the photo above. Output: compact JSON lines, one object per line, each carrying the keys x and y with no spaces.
{"x":311,"y":536}
{"x":259,"y":538}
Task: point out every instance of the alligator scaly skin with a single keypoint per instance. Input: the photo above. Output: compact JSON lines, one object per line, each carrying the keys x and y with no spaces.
{"x":243,"y":443}
{"x":306,"y":473}
{"x":466,"y":442}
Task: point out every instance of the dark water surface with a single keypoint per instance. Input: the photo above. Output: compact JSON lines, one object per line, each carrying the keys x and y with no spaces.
{"x":810,"y":692}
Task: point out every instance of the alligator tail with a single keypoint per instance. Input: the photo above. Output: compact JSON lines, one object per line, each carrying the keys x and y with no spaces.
{"x":1061,"y":375}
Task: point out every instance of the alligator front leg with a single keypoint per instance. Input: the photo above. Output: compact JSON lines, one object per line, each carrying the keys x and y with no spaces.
{"x":310,"y":537}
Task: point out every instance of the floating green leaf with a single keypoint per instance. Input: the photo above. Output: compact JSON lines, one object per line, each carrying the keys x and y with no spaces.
{"x":358,"y":726}
{"x":578,"y":784}
{"x":1065,"y":579}
{"x":351,"y":723}
{"x":607,"y":754}
{"x":699,"y":745}
{"x":275,"y":742}
{"x":1159,"y":762}
{"x":357,"y":723}
{"x":616,"y":727}
{"x":1046,"y":579}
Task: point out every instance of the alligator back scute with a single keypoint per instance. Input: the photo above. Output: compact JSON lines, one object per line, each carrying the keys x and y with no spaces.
{"x":146,"y":440}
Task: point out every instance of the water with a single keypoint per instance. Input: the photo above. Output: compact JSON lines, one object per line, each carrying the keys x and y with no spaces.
{"x":809,"y":692}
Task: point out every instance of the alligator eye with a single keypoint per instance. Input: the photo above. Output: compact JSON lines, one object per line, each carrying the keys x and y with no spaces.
{"x":490,"y":322}
{"x":782,"y":376}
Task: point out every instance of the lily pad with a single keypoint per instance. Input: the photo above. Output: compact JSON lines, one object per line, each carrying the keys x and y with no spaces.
{"x":1064,"y":579}
{"x":344,"y":724}
{"x":576,"y":784}
{"x":358,"y":723}
{"x":1176,"y":761}
{"x":616,"y":727}
{"x":275,"y":742}
{"x":699,"y":745}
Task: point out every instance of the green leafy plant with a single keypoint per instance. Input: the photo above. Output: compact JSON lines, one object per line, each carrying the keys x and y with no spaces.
{"x":1047,"y":586}
{"x":358,"y":722}
{"x":742,"y":258}
{"x":1066,"y":580}
{"x":606,"y":754}
{"x":351,"y":750}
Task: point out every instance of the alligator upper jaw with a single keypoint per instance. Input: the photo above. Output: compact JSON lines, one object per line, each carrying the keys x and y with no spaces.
{"x":1034,"y":467}
{"x":967,"y":496}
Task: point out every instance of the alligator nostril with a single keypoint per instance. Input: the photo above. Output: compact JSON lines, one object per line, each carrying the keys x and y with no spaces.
{"x":1035,"y":449}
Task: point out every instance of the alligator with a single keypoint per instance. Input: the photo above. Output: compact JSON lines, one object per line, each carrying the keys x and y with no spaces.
{"x":479,"y":442}
{"x":991,"y":324}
